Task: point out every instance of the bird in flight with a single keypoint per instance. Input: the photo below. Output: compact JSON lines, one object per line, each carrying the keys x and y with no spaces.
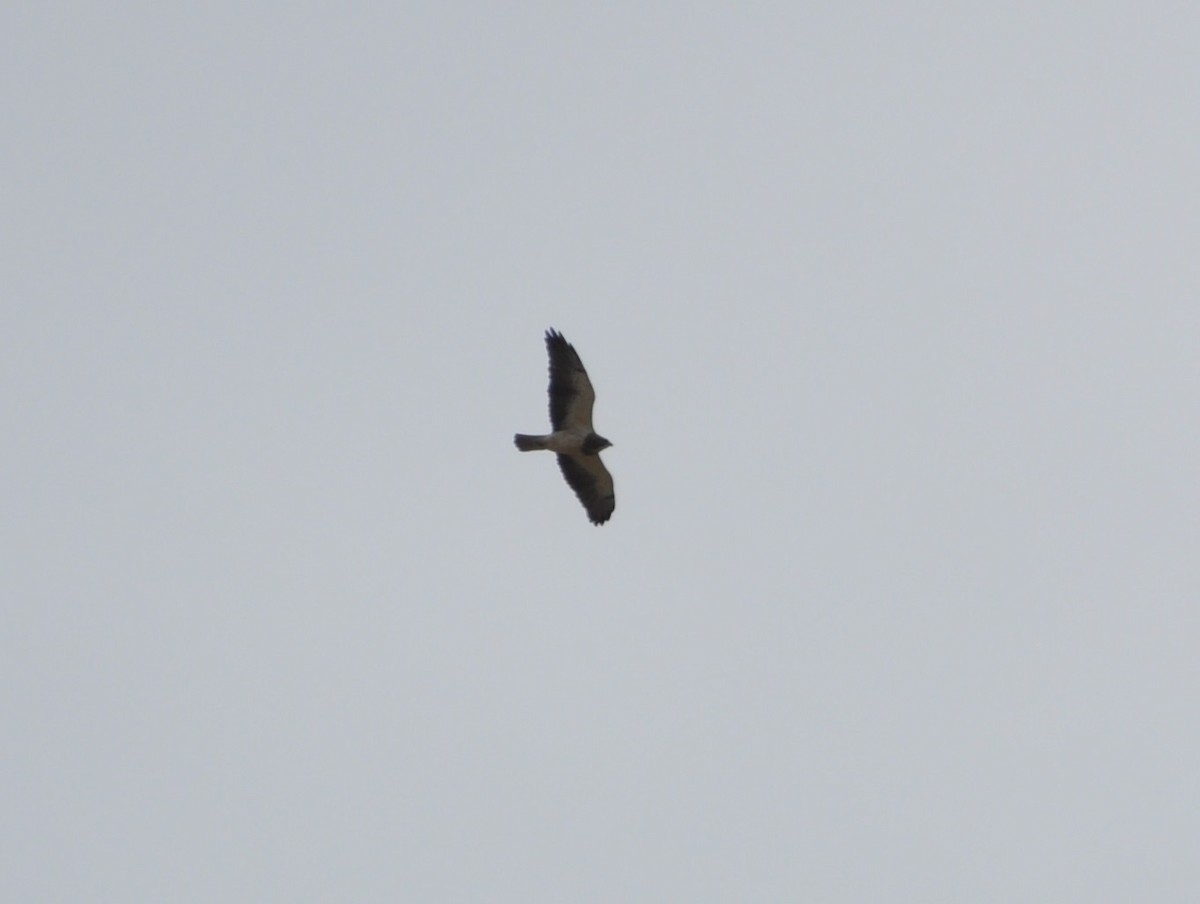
{"x":575,"y":442}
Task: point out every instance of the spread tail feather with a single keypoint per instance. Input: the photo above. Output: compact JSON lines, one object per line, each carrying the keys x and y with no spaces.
{"x":528,"y":443}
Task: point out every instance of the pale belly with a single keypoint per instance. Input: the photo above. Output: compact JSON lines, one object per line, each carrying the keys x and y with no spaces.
{"x":564,"y":441}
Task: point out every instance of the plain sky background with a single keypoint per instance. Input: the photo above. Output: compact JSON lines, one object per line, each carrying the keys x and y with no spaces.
{"x":893,"y":314}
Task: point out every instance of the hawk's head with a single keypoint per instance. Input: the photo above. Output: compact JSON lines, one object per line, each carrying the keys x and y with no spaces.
{"x":594,"y":443}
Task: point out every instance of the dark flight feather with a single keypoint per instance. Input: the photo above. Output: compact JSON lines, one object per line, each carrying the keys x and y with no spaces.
{"x":592,"y":483}
{"x":571,"y":393}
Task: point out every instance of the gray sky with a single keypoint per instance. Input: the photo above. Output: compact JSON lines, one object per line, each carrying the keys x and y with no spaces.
{"x":892,"y":313}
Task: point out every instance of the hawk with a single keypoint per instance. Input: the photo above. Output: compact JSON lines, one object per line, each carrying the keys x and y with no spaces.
{"x":576,"y":443}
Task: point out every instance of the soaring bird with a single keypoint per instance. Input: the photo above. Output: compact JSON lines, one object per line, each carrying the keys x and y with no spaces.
{"x":576,"y":443}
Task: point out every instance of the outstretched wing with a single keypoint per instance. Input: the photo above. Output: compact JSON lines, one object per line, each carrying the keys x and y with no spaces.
{"x":571,"y":393}
{"x":592,"y":484}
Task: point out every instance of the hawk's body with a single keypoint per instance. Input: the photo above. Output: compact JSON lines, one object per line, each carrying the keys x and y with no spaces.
{"x":576,"y":443}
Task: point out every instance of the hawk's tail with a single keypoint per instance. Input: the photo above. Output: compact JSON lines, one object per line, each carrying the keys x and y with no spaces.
{"x":528,"y":443}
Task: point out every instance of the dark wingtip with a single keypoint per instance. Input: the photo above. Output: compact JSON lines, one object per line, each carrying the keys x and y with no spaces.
{"x":599,"y":514}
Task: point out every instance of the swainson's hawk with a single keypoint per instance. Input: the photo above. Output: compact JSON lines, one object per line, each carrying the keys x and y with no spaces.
{"x":576,"y":443}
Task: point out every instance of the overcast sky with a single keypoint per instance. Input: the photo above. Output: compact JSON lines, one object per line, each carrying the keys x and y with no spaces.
{"x":892,"y":311}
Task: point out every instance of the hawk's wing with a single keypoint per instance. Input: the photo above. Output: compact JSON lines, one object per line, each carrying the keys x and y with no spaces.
{"x":571,"y":393}
{"x":592,"y":484}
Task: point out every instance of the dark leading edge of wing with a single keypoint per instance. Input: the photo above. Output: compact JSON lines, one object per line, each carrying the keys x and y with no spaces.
{"x":571,"y":394}
{"x":592,"y":484}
